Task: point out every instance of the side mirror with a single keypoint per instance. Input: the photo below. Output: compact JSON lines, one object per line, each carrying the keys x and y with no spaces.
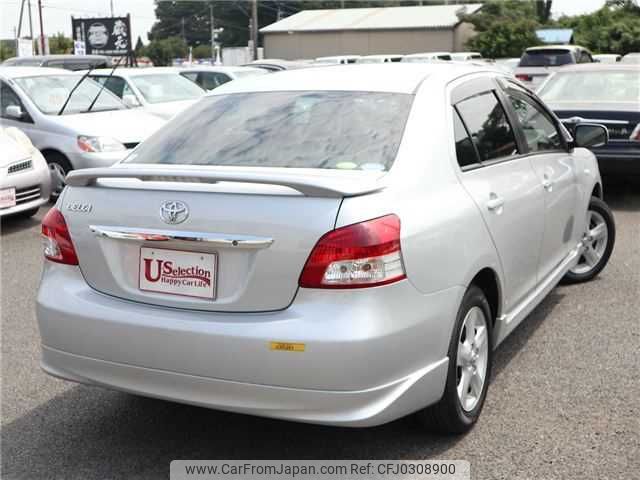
{"x":130,"y":101}
{"x":15,"y":112}
{"x":590,"y":135}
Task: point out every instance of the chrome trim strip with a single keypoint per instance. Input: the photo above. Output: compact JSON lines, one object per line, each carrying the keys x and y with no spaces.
{"x":222,"y":240}
{"x":598,"y":120}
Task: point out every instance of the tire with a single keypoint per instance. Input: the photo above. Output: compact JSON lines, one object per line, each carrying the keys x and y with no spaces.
{"x":600,"y":238}
{"x":59,"y":166}
{"x":449,"y":415}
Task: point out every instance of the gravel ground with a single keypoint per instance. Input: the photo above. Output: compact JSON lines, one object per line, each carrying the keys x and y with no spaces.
{"x":563,"y":403}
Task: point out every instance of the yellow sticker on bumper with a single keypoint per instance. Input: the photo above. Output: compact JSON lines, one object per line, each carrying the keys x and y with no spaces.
{"x":287,"y":347}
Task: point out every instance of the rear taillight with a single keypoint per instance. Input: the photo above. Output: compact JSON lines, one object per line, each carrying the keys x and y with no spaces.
{"x":524,"y":78}
{"x":635,"y":135}
{"x":56,"y":239}
{"x":364,"y":254}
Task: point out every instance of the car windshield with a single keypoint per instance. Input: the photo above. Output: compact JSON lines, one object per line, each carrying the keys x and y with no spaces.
{"x":50,"y":92}
{"x":166,"y":87}
{"x":315,"y":129}
{"x":593,"y":86}
{"x":546,"y":58}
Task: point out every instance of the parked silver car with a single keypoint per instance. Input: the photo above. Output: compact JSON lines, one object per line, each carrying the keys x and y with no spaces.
{"x":537,"y":63}
{"x":32,"y":99}
{"x":335,"y":245}
{"x":25,"y":183}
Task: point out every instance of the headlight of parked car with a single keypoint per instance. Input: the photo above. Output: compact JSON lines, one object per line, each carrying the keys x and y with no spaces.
{"x":99,"y":144}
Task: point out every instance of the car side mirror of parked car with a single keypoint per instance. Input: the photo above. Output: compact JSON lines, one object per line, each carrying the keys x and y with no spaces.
{"x":14,"y":111}
{"x":130,"y":101}
{"x":590,"y":135}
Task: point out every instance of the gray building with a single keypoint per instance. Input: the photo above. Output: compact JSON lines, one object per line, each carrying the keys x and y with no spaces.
{"x":368,"y":31}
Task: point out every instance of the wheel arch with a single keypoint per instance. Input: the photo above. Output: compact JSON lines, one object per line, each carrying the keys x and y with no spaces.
{"x":597,"y":191}
{"x":488,"y":281}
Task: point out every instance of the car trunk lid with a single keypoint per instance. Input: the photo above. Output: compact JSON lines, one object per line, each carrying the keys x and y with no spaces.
{"x":240,"y":239}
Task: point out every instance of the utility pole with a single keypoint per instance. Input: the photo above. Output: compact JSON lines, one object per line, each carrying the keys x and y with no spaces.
{"x":20,"y":21}
{"x":112,"y":8}
{"x":213,"y":34}
{"x":41,"y":27}
{"x":183,"y":36}
{"x":254,"y":27}
{"x":30,"y":21}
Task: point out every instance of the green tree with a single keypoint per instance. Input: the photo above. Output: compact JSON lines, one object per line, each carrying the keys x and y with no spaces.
{"x":7,"y":49}
{"x":504,"y":28}
{"x":161,"y":52}
{"x":139,"y":49}
{"x":59,"y":44}
{"x":615,"y":28}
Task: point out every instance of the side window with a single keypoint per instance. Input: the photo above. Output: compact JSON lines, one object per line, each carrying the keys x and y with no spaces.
{"x":465,"y":152}
{"x":190,"y":75}
{"x":539,"y":129}
{"x":211,"y":80}
{"x":9,"y":98}
{"x":488,"y":126}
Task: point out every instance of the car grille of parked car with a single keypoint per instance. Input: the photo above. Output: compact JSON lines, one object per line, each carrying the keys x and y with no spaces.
{"x":131,"y":145}
{"x":19,"y":166}
{"x":24,"y":195}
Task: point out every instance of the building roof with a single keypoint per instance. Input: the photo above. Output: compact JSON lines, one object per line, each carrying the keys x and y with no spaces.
{"x":385,"y":18}
{"x":555,"y":35}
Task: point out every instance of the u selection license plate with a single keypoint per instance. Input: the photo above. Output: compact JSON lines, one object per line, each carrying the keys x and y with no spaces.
{"x":174,"y":272}
{"x":7,"y":198}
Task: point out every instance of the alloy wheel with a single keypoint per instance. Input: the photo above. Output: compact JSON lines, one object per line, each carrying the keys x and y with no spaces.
{"x":472,"y":358}
{"x":595,"y":243}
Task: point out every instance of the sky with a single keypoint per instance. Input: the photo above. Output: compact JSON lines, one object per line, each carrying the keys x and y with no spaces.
{"x":57,"y":13}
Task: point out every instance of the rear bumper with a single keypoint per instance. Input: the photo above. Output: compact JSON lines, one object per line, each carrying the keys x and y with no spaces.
{"x":346,"y":408}
{"x":370,"y":356}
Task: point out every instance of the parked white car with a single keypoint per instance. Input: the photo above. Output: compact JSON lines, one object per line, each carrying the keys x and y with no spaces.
{"x":466,"y":56}
{"x":342,"y":245}
{"x":427,"y":57}
{"x":25,"y":183}
{"x":379,"y":58}
{"x":32,"y":99}
{"x":337,"y":60}
{"x":161,"y":91}
{"x":607,"y":57}
{"x":210,"y":77}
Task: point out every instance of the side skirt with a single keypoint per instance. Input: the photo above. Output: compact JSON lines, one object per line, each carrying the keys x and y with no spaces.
{"x":507,"y":322}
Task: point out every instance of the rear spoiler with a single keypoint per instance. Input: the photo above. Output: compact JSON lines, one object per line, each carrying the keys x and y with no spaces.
{"x":311,"y":185}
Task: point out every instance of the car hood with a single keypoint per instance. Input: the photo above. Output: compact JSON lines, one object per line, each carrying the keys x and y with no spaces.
{"x":11,"y":151}
{"x":126,"y":126}
{"x":168,"y":110}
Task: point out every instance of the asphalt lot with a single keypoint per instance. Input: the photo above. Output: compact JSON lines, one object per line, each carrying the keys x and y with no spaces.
{"x":563,"y":404}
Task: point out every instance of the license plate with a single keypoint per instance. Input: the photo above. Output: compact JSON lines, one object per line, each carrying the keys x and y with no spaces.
{"x":7,"y":198}
{"x":175,"y":272}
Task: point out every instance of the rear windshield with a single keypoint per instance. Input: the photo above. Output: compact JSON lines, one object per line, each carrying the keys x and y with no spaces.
{"x":546,"y":58}
{"x":313,"y":129}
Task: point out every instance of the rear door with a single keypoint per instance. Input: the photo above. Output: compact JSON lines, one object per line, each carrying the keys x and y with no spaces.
{"x":502,"y":183}
{"x":556,"y":170}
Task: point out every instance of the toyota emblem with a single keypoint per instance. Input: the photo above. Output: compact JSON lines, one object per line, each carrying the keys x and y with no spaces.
{"x":174,"y":212}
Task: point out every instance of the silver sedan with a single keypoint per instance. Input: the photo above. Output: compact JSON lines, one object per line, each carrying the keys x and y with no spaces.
{"x":339,"y":245}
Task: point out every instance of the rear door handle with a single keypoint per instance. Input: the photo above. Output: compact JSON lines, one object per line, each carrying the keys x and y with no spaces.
{"x":495,"y":202}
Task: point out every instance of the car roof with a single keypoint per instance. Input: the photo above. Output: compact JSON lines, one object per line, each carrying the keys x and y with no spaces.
{"x":383,"y":55}
{"x":426,"y":54}
{"x":21,"y":72}
{"x":599,"y":67}
{"x":133,"y":71}
{"x":388,"y":77}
